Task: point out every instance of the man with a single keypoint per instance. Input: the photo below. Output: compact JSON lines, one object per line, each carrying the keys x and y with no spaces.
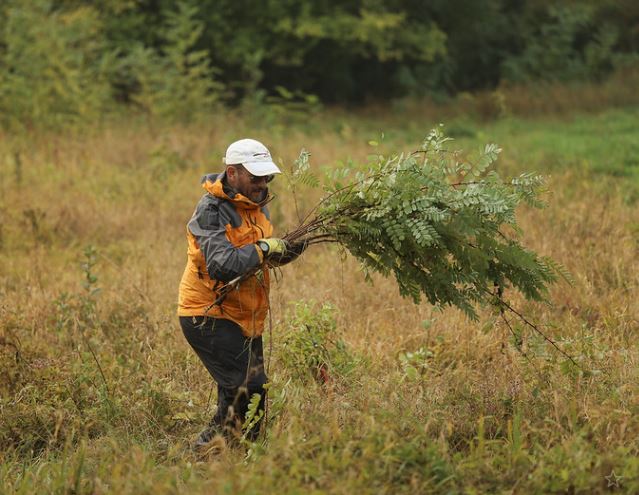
{"x":230,"y":236}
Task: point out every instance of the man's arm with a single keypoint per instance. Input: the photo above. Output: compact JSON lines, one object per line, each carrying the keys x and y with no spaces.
{"x":223,"y":260}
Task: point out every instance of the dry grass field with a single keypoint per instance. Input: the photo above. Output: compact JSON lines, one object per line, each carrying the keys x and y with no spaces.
{"x":99,"y":392}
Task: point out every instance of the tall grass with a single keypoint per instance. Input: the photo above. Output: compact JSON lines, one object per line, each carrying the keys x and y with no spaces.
{"x":100,"y":393}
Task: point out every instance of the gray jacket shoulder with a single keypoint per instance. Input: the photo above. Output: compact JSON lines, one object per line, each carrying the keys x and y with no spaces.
{"x":212,"y":212}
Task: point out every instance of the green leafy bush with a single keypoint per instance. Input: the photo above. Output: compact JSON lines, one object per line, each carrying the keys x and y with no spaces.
{"x":570,"y":45}
{"x":176,"y":82}
{"x":312,"y":347}
{"x":52,"y":65}
{"x":415,"y":363}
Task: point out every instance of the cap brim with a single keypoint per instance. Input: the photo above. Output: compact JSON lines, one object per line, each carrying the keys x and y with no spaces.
{"x":262,"y":168}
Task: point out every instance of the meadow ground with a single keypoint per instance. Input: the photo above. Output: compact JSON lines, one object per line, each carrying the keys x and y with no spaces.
{"x":99,"y":392}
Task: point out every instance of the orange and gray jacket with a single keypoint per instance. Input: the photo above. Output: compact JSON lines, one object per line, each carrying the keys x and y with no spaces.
{"x":221,"y":246}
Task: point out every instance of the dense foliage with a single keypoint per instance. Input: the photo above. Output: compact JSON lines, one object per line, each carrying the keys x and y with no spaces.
{"x":75,"y":59}
{"x":442,"y":224}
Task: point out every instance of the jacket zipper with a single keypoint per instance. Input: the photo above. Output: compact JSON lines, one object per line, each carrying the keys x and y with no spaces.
{"x":254,"y":222}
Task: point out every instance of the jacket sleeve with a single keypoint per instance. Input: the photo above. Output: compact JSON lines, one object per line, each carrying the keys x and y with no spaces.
{"x":224,"y":261}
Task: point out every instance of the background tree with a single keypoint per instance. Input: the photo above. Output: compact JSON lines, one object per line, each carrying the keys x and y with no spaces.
{"x":74,"y":59}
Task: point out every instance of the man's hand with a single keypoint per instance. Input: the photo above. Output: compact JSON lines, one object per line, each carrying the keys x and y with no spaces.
{"x":296,"y":248}
{"x":290,"y":252}
{"x":272,"y":246}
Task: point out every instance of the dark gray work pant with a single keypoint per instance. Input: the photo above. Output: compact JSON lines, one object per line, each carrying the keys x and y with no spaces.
{"x":235,"y":362}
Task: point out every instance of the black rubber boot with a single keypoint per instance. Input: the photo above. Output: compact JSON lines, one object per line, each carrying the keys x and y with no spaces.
{"x":205,"y":436}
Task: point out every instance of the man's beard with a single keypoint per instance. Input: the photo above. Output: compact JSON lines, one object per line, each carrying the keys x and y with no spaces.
{"x":259,"y":196}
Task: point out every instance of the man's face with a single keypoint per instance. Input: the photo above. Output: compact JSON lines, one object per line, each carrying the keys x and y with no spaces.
{"x":253,"y":187}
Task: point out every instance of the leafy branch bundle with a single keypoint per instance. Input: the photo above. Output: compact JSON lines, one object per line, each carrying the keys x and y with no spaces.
{"x":445,"y":228}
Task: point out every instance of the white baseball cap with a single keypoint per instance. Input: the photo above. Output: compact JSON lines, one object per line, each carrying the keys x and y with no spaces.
{"x":253,"y":155}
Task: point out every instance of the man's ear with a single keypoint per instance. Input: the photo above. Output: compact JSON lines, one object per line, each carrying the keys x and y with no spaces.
{"x":231,"y":172}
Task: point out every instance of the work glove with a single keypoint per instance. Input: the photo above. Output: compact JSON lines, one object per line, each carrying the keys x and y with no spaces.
{"x":294,"y":250}
{"x":297,"y":248}
{"x":272,"y":246}
{"x":277,"y":256}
